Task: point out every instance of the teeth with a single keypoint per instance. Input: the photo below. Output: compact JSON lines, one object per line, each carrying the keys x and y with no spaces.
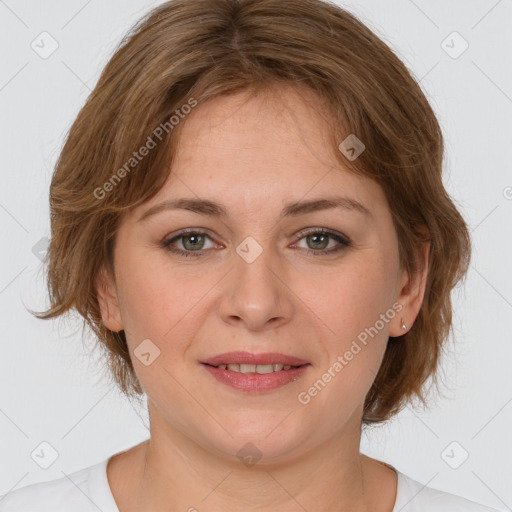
{"x":255,"y":368}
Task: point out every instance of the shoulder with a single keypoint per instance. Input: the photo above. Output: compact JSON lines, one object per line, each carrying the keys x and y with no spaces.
{"x":413,"y":496}
{"x":80,"y":491}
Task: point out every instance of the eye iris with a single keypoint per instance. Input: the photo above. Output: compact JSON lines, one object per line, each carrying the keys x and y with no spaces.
{"x":193,"y":245}
{"x":317,"y":236}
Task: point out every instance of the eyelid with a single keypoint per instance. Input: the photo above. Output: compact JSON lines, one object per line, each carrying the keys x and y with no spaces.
{"x":326,"y":231}
{"x":299,"y":234}
{"x":188,"y":231}
{"x":342,"y":240}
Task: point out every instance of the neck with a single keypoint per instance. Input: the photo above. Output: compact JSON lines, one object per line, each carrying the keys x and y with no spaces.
{"x":172,"y":471}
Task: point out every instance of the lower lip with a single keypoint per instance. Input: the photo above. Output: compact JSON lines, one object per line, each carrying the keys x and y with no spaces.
{"x":256,"y":382}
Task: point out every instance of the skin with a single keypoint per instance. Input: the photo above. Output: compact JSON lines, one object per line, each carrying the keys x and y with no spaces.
{"x":253,"y":155}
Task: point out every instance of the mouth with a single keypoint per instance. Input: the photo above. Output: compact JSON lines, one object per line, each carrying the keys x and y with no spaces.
{"x":260,"y":369}
{"x":246,"y":358}
{"x":255,"y":373}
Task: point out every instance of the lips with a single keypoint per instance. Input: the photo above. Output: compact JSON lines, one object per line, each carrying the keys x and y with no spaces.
{"x":241,"y":357}
{"x":256,"y":382}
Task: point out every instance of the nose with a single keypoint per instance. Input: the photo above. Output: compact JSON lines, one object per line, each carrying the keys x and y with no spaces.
{"x":257,"y":291}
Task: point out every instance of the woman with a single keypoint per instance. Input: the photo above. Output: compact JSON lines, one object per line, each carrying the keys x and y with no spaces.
{"x":249,"y":213}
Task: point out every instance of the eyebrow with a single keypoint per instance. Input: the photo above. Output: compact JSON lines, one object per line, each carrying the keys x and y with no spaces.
{"x":206,"y":207}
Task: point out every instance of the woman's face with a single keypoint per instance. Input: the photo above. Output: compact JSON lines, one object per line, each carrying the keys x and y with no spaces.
{"x":257,"y":279}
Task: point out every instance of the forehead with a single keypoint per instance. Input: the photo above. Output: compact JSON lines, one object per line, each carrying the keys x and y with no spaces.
{"x":250,"y":152}
{"x":282,"y":121}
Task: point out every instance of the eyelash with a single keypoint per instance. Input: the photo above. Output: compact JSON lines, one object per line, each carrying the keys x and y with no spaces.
{"x":344,"y":242}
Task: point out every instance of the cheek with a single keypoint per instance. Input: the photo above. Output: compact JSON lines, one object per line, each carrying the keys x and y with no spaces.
{"x":352,"y":308}
{"x":352,"y":299}
{"x":354,"y":305}
{"x":161,"y":307}
{"x":162,"y":303}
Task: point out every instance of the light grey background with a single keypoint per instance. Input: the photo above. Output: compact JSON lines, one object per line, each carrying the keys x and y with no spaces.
{"x":52,"y":387}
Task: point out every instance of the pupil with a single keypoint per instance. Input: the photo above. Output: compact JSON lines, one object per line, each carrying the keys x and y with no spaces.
{"x":319,"y":236}
{"x":190,"y":237}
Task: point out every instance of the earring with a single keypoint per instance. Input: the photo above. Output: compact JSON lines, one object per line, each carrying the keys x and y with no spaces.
{"x":404,"y":327}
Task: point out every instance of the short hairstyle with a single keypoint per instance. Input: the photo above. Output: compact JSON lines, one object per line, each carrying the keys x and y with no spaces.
{"x":185,"y":52}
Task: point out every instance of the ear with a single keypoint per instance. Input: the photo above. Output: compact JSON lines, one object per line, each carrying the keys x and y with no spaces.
{"x":108,"y":300}
{"x":412,"y":290}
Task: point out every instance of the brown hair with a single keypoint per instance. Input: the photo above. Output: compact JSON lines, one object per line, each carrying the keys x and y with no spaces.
{"x":187,"y":51}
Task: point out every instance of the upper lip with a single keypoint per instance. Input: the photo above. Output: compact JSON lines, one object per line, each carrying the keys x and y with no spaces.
{"x":248,"y":358}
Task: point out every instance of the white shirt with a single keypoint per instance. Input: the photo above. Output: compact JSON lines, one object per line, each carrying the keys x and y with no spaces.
{"x":88,"y":490}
